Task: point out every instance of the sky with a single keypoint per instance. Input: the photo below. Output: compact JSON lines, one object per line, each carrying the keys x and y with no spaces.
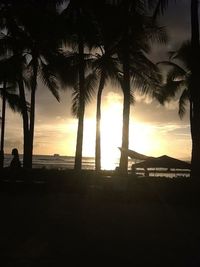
{"x":154,"y":130}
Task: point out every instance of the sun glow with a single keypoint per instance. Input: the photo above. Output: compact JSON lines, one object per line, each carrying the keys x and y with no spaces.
{"x":111,"y":132}
{"x":145,"y":138}
{"x":142,"y":136}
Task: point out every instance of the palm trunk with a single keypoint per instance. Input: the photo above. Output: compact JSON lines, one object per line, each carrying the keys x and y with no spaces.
{"x":98,"y":125}
{"x":79,"y":140}
{"x":26,"y":132}
{"x":195,"y":133}
{"x":126,"y":111}
{"x":195,"y":94}
{"x":32,"y":111}
{"x":3,"y":125}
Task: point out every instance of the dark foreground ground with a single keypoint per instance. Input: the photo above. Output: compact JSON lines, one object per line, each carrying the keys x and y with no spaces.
{"x":57,"y":218}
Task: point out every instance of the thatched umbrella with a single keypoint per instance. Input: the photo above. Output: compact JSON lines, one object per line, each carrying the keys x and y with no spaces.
{"x":164,"y":162}
{"x":135,"y":155}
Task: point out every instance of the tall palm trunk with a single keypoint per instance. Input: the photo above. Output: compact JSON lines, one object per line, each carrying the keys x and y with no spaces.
{"x":98,"y":124}
{"x":195,"y":94}
{"x":3,"y":125}
{"x":32,"y":111}
{"x":26,"y":133}
{"x":81,"y":112}
{"x":126,"y":109}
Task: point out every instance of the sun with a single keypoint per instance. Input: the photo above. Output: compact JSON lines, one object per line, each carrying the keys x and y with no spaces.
{"x":143,"y":137}
{"x":111,"y":134}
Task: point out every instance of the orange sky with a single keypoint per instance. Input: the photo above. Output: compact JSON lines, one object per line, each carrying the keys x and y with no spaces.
{"x":154,"y":130}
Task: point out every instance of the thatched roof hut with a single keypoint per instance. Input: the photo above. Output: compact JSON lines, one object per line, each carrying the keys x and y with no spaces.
{"x":135,"y":155}
{"x":163,"y":162}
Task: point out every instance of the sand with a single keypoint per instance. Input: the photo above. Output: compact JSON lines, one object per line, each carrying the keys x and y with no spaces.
{"x":54,"y":218}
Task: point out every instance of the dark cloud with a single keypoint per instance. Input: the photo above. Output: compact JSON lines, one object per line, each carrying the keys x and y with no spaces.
{"x":176,"y":22}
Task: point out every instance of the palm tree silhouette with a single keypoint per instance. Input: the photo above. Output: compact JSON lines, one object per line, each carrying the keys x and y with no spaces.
{"x":179,"y":82}
{"x":108,"y":70}
{"x":106,"y":65}
{"x":8,"y":94}
{"x":34,"y":48}
{"x":194,"y":92}
{"x":136,"y":30}
{"x":41,"y":46}
{"x":111,"y":41}
{"x":3,"y":115}
{"x":81,"y":28}
{"x":178,"y":78}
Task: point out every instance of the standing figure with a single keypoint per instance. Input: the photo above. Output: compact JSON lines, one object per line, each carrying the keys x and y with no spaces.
{"x":15,"y":163}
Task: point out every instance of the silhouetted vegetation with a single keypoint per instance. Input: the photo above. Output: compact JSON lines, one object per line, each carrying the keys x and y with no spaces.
{"x":56,"y":217}
{"x":78,"y":46}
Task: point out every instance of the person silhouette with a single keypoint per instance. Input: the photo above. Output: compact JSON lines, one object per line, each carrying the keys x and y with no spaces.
{"x":15,"y":162}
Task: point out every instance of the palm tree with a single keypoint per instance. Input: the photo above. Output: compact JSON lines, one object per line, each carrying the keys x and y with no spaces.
{"x":106,"y":69}
{"x":112,"y":40}
{"x":34,"y":48}
{"x":193,"y":87}
{"x":3,"y":115}
{"x":78,"y":19}
{"x":8,"y":95}
{"x":106,"y":65}
{"x":195,"y":95}
{"x":137,"y":29}
{"x":178,"y":79}
{"x":41,"y":46}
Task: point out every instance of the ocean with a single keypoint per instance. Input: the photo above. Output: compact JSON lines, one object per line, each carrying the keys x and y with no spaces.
{"x":67,"y":162}
{"x":61,"y":162}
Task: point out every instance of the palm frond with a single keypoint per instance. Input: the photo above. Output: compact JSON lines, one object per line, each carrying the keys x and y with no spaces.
{"x":6,"y":45}
{"x":176,"y":67}
{"x":158,"y":6}
{"x":184,"y":54}
{"x":10,"y":88}
{"x":65,"y":66}
{"x":168,"y":91}
{"x":14,"y":102}
{"x":175,"y":74}
{"x":156,"y":34}
{"x":90,"y":86}
{"x":145,"y":74}
{"x":49,"y":79}
{"x":132,"y":97}
{"x":183,"y":102}
{"x":75,"y":101}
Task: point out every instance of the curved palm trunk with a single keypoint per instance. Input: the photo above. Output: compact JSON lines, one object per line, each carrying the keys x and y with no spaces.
{"x":195,"y":93}
{"x":26,"y":133}
{"x":3,"y":125}
{"x":98,"y":124}
{"x":79,"y":140}
{"x":126,"y":111}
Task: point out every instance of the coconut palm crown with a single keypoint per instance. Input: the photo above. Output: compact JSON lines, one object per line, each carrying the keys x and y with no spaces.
{"x":178,"y":78}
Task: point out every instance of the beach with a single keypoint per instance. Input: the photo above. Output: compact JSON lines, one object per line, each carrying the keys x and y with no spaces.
{"x":99,"y":133}
{"x":67,"y":218}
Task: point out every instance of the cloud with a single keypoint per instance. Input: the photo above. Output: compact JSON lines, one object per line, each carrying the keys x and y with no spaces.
{"x":142,"y":98}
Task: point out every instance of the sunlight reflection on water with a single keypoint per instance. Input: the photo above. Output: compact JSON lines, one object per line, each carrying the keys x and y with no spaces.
{"x":108,"y":163}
